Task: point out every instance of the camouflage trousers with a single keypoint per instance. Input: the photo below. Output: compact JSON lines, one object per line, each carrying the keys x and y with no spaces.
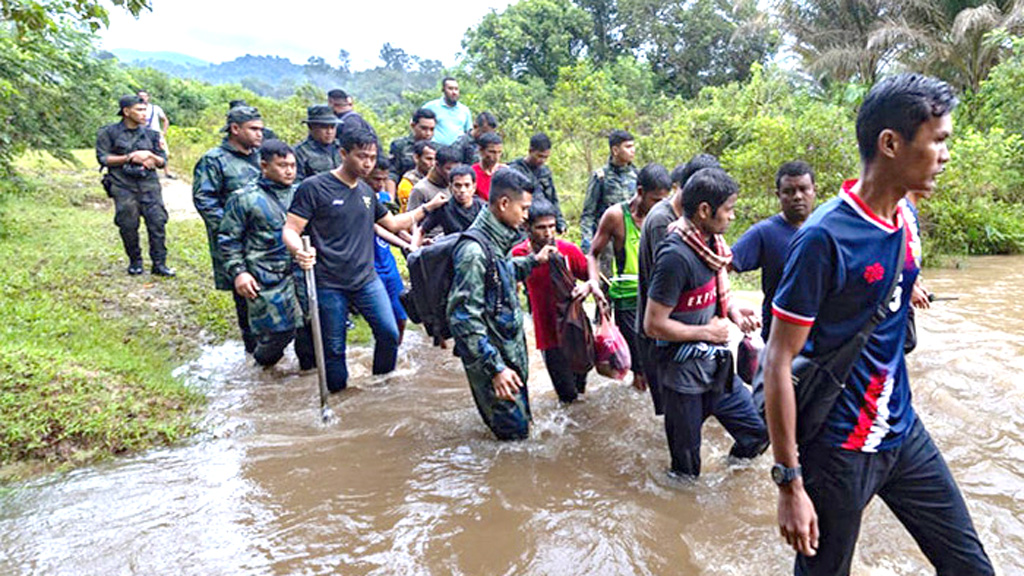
{"x":507,"y":420}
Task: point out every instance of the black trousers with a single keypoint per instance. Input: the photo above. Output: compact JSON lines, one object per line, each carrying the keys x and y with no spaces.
{"x":129,"y":205}
{"x":242,"y":314}
{"x":568,"y":384}
{"x":270,"y":347}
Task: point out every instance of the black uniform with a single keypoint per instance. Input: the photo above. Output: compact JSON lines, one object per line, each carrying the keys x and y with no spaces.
{"x":135,"y":189}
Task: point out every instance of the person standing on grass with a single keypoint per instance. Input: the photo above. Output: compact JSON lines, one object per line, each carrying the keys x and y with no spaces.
{"x":338,"y":210}
{"x":156,"y":119}
{"x":841,"y":266}
{"x":132,"y":154}
{"x":220,"y":171}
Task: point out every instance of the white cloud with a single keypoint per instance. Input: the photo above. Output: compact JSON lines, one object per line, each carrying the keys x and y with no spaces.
{"x":220,"y":30}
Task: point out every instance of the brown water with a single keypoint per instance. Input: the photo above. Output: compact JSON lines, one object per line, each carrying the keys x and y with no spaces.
{"x":407,"y":480}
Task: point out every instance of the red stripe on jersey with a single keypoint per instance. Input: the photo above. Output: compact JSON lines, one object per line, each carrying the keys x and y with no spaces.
{"x":698,"y":298}
{"x":868,"y":413}
{"x":790,"y":317}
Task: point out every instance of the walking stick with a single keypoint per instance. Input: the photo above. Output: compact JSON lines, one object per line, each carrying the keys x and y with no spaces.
{"x":318,"y":342}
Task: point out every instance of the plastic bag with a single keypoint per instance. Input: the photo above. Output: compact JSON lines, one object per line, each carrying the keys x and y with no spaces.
{"x":611,"y":352}
{"x":748,"y":355}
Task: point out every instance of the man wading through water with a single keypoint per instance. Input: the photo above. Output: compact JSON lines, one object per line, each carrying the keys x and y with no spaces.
{"x":841,"y":265}
{"x":487,"y":323}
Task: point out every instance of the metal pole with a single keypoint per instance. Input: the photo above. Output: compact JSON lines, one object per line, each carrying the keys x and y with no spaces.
{"x":318,"y":342}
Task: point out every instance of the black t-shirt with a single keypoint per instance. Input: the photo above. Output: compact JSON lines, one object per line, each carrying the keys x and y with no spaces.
{"x":453,"y":217}
{"x":341,"y":227}
{"x":653,"y":232}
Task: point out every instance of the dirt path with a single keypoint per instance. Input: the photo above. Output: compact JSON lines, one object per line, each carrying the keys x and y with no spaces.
{"x":178,"y":199}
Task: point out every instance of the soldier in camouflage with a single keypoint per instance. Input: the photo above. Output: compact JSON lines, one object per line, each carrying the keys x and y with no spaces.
{"x":534,"y":167}
{"x":220,"y":171}
{"x":318,"y":152}
{"x":485,"y":318}
{"x":256,"y":258}
{"x":608,"y":186}
{"x":401,"y":158}
{"x":466,"y":144}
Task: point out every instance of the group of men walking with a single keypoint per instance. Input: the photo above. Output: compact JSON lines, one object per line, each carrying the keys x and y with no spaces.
{"x":652,"y":254}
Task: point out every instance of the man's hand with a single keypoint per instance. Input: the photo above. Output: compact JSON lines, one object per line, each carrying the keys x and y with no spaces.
{"x":798,"y":522}
{"x":306,"y":259}
{"x":246,"y":286}
{"x":639,"y":381}
{"x":747,"y":319}
{"x":590,"y":287}
{"x":717,"y":331}
{"x":506,"y":383}
{"x":546,"y":253}
{"x":436,"y":202}
{"x":919,"y":297}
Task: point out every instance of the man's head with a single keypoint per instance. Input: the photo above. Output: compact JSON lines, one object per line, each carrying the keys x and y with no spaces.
{"x":323,"y":125}
{"x":510,"y":197}
{"x":794,"y":185}
{"x":709,"y":200}
{"x":277,"y":161}
{"x":491,"y":148}
{"x":483,"y":123}
{"x":543,"y":223}
{"x":540,"y":150}
{"x":622,"y":147}
{"x":447,"y":158}
{"x":143,"y":95}
{"x":339,"y":101}
{"x":423,"y":122}
{"x":358,"y":152}
{"x":424,"y":153}
{"x":652,"y":184}
{"x":236,"y":103}
{"x":462,"y":183}
{"x":683,"y":172}
{"x":450,"y":89}
{"x":133,"y":109}
{"x":904,"y":122}
{"x":245,"y":127}
{"x":378,"y":178}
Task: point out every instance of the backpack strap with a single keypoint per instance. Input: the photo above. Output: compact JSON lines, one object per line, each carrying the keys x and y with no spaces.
{"x":491,"y":280}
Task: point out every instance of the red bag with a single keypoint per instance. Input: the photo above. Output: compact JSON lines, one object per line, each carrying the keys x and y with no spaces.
{"x":611,"y":352}
{"x":748,"y":357}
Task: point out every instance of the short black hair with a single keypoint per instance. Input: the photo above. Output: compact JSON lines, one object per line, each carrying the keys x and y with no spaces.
{"x":275,"y":147}
{"x":683,"y":172}
{"x":358,"y":138}
{"x":337,"y":94}
{"x":486,"y":118}
{"x":618,"y":137}
{"x":448,"y":79}
{"x":421,"y":145}
{"x":540,"y":142}
{"x":508,"y":182}
{"x":448,"y":155}
{"x":901,"y":103}
{"x":794,"y":168}
{"x":489,"y":139}
{"x":710,"y":185}
{"x":461,"y":170}
{"x":382,"y":163}
{"x":541,"y":208}
{"x":653,"y":177}
{"x":422,"y":113}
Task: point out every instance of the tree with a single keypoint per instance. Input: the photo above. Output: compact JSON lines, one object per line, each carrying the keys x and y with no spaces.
{"x":605,"y":44}
{"x":394,"y":58}
{"x":45,"y":15}
{"x":530,"y":38}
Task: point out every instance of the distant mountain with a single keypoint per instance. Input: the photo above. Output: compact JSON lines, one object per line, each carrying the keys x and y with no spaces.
{"x":128,"y":55}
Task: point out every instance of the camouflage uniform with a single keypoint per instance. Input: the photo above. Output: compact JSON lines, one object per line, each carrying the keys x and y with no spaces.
{"x":469,"y":152}
{"x":249,"y":238}
{"x":312,"y":158}
{"x":543,"y":186}
{"x":219,"y":172}
{"x":488,"y":327}
{"x":401,"y":158}
{"x":608,"y":186}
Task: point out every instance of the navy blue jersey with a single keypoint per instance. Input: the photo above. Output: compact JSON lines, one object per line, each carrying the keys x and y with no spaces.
{"x":764,"y":246}
{"x":840,"y":266}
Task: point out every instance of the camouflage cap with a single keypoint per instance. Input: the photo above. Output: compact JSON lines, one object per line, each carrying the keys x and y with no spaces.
{"x":320,"y":115}
{"x":241,"y":115}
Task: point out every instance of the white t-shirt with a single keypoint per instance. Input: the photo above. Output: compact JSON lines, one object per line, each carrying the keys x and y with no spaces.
{"x":153,"y":115}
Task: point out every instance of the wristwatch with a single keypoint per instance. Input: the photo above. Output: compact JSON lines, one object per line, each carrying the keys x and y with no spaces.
{"x":783,"y":475}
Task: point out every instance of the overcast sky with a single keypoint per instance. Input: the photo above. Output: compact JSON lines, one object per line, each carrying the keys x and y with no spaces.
{"x":220,"y":30}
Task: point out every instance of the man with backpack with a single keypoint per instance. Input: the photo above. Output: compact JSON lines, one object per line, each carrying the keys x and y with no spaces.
{"x":483,"y":307}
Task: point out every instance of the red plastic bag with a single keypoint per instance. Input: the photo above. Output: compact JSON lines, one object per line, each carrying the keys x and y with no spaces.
{"x":611,"y":352}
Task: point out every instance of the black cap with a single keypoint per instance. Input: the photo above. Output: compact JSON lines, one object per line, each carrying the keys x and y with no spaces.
{"x":127,"y":102}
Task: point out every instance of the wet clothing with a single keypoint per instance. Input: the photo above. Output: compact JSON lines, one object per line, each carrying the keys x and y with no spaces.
{"x":469,"y":152}
{"x":135,"y":191}
{"x":387,"y":269}
{"x":312,"y":158}
{"x":543,"y":186}
{"x":452,"y":121}
{"x":409,"y":180}
{"x":219,"y":172}
{"x":453,"y":217}
{"x":607,"y":186}
{"x":270,"y":347}
{"x":765,"y":246}
{"x":401,"y":158}
{"x":568,"y":385}
{"x":488,"y":324}
{"x":372,"y":302}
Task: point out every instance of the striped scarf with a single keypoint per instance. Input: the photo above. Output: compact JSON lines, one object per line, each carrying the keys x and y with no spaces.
{"x":717,"y":259}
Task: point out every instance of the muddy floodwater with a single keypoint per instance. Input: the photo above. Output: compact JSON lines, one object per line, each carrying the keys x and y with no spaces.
{"x":408,"y":481}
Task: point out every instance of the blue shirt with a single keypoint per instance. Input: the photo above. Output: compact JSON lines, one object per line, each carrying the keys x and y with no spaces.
{"x":764,"y":246}
{"x":383,"y":259}
{"x":452,"y":121}
{"x":841,"y":264}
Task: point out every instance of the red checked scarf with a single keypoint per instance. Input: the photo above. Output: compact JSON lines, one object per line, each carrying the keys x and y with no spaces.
{"x":717,"y":258}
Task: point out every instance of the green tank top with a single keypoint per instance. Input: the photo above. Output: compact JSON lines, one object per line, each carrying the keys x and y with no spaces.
{"x":623,"y":286}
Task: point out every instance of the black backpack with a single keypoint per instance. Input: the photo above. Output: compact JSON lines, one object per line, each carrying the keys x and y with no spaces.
{"x":431,"y":270}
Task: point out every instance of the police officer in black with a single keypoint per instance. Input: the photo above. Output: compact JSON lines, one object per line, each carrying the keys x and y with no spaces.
{"x":132,"y":154}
